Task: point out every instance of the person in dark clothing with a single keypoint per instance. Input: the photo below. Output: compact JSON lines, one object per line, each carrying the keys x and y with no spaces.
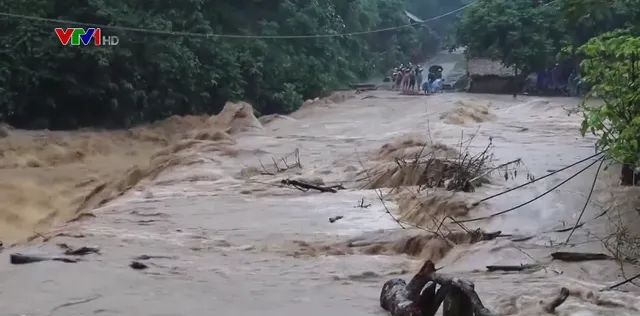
{"x":412,"y":80}
{"x":418,"y":76}
{"x":571,"y":82}
{"x":555,"y":77}
{"x":541,"y":79}
{"x":431,"y":77}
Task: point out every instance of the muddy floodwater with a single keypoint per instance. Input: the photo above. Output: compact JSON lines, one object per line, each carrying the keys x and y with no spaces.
{"x":231,"y":240}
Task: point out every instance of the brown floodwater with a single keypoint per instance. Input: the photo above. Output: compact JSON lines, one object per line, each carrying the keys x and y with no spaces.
{"x":232,"y":240}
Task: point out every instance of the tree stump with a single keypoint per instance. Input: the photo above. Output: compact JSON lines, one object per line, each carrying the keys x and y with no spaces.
{"x":459,"y":296}
{"x":401,"y":299}
{"x":457,"y":304}
{"x":628,"y":176}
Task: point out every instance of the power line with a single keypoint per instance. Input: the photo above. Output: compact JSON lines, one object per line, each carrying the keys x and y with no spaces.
{"x":210,"y":35}
{"x":538,"y":179}
{"x":534,"y":199}
{"x":586,"y":203}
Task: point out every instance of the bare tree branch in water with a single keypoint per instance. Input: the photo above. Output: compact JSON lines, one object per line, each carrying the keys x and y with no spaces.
{"x":439,"y":166}
{"x":83,"y":301}
{"x":623,"y":244}
{"x":362,"y":205}
{"x":284,"y":164}
{"x":427,"y":168}
{"x":304,"y":187}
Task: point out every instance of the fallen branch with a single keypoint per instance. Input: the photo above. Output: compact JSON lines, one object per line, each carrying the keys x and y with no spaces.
{"x":521,"y":238}
{"x":362,"y":205}
{"x":87,"y":300}
{"x":18,"y":258}
{"x":579,"y":256}
{"x":515,"y":161}
{"x":620,"y":283}
{"x":460,"y":298}
{"x":428,"y":168}
{"x":147,"y":257}
{"x":512,"y":268}
{"x":81,"y":251}
{"x":564,"y":230}
{"x":304,"y":187}
{"x":557,"y":301}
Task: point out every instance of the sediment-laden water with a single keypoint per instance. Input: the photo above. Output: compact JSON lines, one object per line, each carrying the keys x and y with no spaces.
{"x":233,"y":240}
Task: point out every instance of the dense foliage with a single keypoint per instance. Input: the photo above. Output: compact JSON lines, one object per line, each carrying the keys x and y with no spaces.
{"x":530,"y":33}
{"x":612,"y":66}
{"x":520,"y":33}
{"x":600,"y":36}
{"x":150,"y":76}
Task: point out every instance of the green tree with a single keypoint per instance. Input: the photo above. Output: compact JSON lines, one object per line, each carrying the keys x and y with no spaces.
{"x":523,"y":34}
{"x":151,"y":76}
{"x":612,"y":66}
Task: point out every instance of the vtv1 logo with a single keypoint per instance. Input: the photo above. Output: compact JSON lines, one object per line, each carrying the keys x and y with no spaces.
{"x":81,"y":36}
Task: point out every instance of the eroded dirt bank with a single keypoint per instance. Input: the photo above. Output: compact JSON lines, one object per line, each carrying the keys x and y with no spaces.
{"x":236,"y":241}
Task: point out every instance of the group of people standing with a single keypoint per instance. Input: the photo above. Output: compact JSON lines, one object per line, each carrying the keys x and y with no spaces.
{"x":409,"y":79}
{"x":549,"y":78}
{"x":554,"y":79}
{"x":406,"y":77}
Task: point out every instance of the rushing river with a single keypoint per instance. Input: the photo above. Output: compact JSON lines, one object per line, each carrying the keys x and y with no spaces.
{"x":234,"y":242}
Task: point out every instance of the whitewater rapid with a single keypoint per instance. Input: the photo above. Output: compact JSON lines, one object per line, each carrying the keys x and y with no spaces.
{"x":236,"y":242}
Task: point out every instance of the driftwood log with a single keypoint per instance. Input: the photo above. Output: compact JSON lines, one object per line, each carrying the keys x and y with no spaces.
{"x":522,"y":267}
{"x":579,"y":256}
{"x":302,"y":186}
{"x":80,"y":251}
{"x":18,"y":258}
{"x":459,"y":296}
